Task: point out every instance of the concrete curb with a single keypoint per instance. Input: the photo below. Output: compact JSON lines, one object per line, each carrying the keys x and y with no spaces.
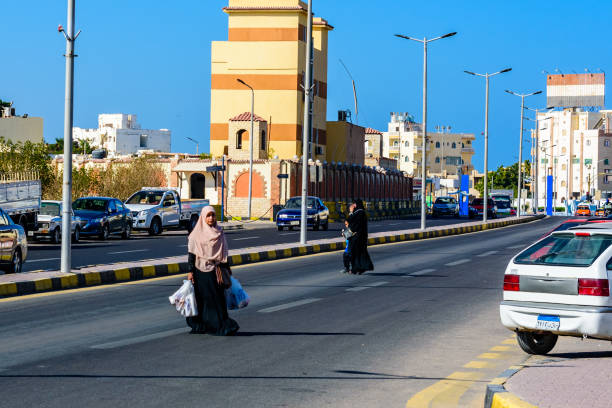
{"x":498,"y":397}
{"x":79,"y":280}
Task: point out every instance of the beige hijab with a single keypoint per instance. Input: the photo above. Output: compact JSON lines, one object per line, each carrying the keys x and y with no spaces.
{"x":207,"y":243}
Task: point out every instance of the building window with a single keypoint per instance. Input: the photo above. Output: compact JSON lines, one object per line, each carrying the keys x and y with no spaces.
{"x":563,"y":150}
{"x":454,"y":145}
{"x":406,"y":159}
{"x":437,"y":160}
{"x":588,"y":142}
{"x":406,"y":144}
{"x":397,"y":129}
{"x":143,"y":140}
{"x":239,"y":138}
{"x":263,"y":140}
{"x":437,"y":145}
{"x":607,"y":143}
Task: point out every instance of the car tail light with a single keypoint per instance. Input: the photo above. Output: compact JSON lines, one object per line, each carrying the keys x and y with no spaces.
{"x":593,"y":287}
{"x":583,"y":234}
{"x":512,"y":282}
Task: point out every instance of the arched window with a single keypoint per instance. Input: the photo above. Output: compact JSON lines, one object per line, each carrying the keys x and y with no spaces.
{"x":239,"y":137}
{"x":263,"y":142}
{"x":406,"y":159}
{"x":454,"y":145}
{"x":563,"y":150}
{"x":437,"y":145}
{"x":437,"y":160}
{"x":406,"y":143}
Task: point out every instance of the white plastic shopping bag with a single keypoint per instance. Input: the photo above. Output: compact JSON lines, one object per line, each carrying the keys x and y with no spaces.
{"x":235,"y":296}
{"x":184,"y":300}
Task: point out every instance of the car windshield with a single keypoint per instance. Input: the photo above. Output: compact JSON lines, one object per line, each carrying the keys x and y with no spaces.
{"x":89,"y":204}
{"x":502,"y":204}
{"x":445,"y":200}
{"x":501,"y":198}
{"x":295,"y":203}
{"x":52,"y":209}
{"x":146,"y":197}
{"x":583,"y":207}
{"x":565,"y":250}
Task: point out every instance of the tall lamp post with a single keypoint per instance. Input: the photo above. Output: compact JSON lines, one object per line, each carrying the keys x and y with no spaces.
{"x":520,"y":158}
{"x":196,"y":143}
{"x":486,"y":76}
{"x":424,"y":41}
{"x":251,"y":137}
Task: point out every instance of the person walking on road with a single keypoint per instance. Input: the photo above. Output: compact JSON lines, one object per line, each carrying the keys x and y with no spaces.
{"x":208,"y":248}
{"x":346,"y":255}
{"x":358,"y":224}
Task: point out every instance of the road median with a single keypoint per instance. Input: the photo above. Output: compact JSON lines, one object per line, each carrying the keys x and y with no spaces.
{"x":38,"y":282}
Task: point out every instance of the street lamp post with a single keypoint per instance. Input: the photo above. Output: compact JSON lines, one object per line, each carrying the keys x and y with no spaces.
{"x":424,"y":41}
{"x":520,"y":158}
{"x":196,"y":143}
{"x":486,"y":135}
{"x":251,"y":137}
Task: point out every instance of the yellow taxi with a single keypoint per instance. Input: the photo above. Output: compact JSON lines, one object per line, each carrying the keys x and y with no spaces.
{"x":583,"y":210}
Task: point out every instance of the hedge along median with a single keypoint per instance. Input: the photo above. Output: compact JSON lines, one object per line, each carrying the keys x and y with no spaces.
{"x":86,"y":278}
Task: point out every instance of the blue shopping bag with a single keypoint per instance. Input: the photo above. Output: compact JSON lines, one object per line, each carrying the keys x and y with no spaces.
{"x":235,"y":296}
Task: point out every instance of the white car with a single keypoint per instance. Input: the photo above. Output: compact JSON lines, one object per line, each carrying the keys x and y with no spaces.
{"x":50,"y":222}
{"x":560,"y":286}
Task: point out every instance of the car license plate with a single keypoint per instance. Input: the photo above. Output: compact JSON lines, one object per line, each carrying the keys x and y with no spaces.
{"x":294,"y":223}
{"x":30,"y":233}
{"x":546,"y":322}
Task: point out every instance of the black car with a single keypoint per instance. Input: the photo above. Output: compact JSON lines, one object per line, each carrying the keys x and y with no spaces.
{"x":290,"y":216}
{"x":102,"y":216}
{"x":13,"y":244}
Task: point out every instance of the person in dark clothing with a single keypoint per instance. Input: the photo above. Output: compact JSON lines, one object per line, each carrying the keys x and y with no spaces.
{"x":346,"y":255}
{"x":358,"y":224}
{"x":207,"y":248}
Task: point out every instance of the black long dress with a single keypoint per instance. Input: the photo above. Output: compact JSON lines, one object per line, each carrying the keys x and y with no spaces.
{"x":360,"y":259}
{"x":212,"y":315}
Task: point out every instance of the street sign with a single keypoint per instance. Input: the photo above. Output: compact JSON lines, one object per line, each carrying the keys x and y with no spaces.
{"x":215,"y":168}
{"x":283,"y":176}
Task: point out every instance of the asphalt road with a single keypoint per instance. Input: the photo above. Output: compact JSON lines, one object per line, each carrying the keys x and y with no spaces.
{"x":46,"y":256}
{"x":423,"y":327}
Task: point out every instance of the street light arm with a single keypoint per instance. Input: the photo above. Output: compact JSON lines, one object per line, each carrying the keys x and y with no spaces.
{"x":244,"y":83}
{"x":442,"y":36}
{"x":501,"y":72}
{"x":405,"y":37}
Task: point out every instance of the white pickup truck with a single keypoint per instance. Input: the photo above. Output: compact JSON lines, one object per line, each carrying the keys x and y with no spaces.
{"x":156,"y":208}
{"x":20,"y":198}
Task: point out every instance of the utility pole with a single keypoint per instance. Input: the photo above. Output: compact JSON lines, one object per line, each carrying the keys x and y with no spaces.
{"x":66,"y":257}
{"x":424,"y":41}
{"x":306,"y":127}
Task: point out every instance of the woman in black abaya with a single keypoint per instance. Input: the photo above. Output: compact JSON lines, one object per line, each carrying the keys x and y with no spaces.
{"x":358,"y":223}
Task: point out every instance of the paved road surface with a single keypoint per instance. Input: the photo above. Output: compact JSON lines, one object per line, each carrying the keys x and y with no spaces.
{"x":424,"y":327}
{"x":46,"y":256}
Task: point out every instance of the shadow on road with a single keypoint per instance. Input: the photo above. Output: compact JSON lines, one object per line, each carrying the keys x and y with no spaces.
{"x":251,"y":334}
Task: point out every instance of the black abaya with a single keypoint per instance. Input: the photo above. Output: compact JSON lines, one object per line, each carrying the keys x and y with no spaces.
{"x":360,"y":259}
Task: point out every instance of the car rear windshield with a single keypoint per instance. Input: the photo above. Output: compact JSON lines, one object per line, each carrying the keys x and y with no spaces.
{"x":480,"y":201}
{"x":502,"y":203}
{"x":568,"y":225}
{"x":52,"y":209}
{"x":146,"y":197}
{"x":295,"y":203}
{"x":89,"y":204}
{"x":565,"y":250}
{"x":445,"y":200}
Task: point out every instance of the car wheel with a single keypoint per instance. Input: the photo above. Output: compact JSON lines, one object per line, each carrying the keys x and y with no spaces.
{"x":16,"y":262}
{"x":105,"y":233}
{"x":536,"y":343}
{"x":56,"y":236}
{"x":76,"y":235}
{"x":315,"y":226}
{"x":193,"y":221}
{"x":326,"y":225}
{"x":127,"y":231}
{"x":156,"y":227}
{"x":280,"y":228}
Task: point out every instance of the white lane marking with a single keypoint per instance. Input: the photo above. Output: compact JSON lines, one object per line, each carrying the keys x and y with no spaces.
{"x":127,"y":252}
{"x":368,"y":286}
{"x":421,"y":272}
{"x":139,"y":339}
{"x":395,"y":223}
{"x":517,"y":246}
{"x":290,"y":233}
{"x":458,"y":262}
{"x":289,"y":305}
{"x":240,"y":239}
{"x":487,"y":254}
{"x":42,"y":260}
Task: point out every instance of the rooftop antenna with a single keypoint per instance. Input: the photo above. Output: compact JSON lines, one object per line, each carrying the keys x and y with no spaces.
{"x":354,"y":92}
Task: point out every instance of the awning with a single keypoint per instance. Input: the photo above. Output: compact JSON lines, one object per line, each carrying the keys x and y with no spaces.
{"x":199,"y":167}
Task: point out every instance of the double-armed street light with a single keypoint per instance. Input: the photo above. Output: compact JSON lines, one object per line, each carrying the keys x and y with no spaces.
{"x":486,"y":76}
{"x":520,"y":158}
{"x":424,"y":41}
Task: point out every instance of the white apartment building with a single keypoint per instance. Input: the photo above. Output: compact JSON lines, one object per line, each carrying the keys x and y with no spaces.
{"x":575,"y":147}
{"x":121,"y":134}
{"x":448,"y":154}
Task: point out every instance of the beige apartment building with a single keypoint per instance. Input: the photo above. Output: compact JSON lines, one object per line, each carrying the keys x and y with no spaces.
{"x":20,"y":128}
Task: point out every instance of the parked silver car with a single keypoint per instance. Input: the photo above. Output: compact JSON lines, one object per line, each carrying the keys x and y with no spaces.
{"x":50,"y":222}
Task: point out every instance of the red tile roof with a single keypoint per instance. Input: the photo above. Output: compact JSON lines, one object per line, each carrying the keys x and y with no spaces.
{"x":246,"y":116}
{"x":370,"y":131}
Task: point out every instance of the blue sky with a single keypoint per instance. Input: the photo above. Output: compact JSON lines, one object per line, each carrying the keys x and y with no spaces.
{"x":152,"y":58}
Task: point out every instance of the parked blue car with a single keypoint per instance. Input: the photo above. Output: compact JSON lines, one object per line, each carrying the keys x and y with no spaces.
{"x":102,"y":216}
{"x":445,"y":206}
{"x":290,"y":215}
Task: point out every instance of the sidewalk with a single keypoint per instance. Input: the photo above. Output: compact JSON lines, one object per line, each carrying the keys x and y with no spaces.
{"x":575,"y":374}
{"x":35,"y":282}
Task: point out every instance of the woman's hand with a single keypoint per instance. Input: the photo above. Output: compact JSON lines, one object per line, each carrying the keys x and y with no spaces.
{"x":190,"y":277}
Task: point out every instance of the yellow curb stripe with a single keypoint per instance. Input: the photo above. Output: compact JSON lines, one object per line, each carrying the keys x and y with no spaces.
{"x":445,"y":392}
{"x":173,"y":268}
{"x":509,"y":341}
{"x":332,"y":246}
{"x":254,"y":256}
{"x":489,"y":356}
{"x":236,"y":259}
{"x":148,"y":271}
{"x":8,"y":289}
{"x":43,"y":284}
{"x":509,"y":400}
{"x":477,"y":364}
{"x":122,"y":274}
{"x":500,"y":348}
{"x":70,"y":281}
{"x":286,"y":252}
{"x":302,"y":250}
{"x":92,"y":278}
{"x":316,"y":248}
{"x":271,"y":254}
